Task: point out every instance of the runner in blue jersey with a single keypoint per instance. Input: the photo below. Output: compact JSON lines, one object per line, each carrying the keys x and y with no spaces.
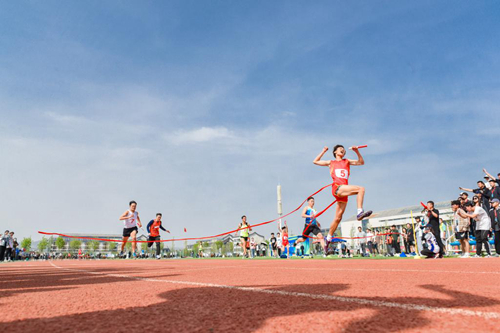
{"x":310,"y":227}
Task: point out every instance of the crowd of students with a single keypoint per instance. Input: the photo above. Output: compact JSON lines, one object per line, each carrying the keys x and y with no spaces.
{"x":478,"y":219}
{"x":9,"y":247}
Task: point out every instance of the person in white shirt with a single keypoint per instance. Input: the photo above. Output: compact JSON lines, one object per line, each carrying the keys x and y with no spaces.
{"x":483,"y":226}
{"x":130,"y":222}
{"x":361,"y":241}
{"x":370,"y":239}
{"x":279,"y":243}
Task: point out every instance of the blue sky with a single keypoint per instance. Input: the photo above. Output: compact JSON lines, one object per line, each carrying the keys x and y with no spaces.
{"x":199,"y":109}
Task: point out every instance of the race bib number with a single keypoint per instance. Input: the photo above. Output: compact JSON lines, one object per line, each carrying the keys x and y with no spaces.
{"x":341,"y":173}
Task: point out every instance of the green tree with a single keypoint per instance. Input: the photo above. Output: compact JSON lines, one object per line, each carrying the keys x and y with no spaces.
{"x":112,"y":246}
{"x":144,"y":246}
{"x":42,"y":245}
{"x":218,"y":245}
{"x":26,"y":244}
{"x":60,"y":243}
{"x":75,"y":244}
{"x":205,"y":244}
{"x":51,"y":242}
{"x":196,"y":248}
{"x":93,"y":245}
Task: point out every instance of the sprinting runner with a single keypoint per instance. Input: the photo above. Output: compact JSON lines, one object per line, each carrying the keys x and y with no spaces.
{"x":130,"y":220}
{"x":311,"y":227}
{"x":340,"y":170}
{"x":153,"y":228}
{"x":285,"y":244}
{"x":244,"y":229}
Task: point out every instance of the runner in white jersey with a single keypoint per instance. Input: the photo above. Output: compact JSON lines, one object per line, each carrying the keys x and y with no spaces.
{"x":130,"y":221}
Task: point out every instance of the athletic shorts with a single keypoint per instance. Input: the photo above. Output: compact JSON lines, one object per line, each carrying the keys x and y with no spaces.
{"x":285,"y":243}
{"x":244,"y":238}
{"x":335,"y":190}
{"x":128,"y":231}
{"x":311,"y":229}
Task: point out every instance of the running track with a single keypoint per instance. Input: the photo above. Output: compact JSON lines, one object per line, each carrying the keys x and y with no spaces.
{"x":450,"y":295}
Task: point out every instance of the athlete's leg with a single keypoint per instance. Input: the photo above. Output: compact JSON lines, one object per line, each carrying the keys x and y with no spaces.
{"x":134,"y":239}
{"x":158,"y":248}
{"x":299,"y":240}
{"x":125,"y":239}
{"x":338,"y":217}
{"x":321,"y":239}
{"x":348,"y":190}
{"x":243,"y":244}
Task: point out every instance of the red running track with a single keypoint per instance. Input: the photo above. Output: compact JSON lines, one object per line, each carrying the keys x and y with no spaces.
{"x":450,"y":295}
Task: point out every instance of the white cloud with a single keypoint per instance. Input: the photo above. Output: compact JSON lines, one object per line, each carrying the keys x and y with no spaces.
{"x":66,"y":119}
{"x":203,"y":134}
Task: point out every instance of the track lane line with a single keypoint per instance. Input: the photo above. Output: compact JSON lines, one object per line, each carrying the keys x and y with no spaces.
{"x":361,"y":301}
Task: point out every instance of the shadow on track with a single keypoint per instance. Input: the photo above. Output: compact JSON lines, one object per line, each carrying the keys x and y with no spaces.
{"x":44,"y":277}
{"x":213,"y":309}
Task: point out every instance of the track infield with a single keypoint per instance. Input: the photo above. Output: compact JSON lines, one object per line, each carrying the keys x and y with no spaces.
{"x":210,"y":295}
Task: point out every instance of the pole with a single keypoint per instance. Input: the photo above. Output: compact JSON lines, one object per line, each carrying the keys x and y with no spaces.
{"x":417,"y":255}
{"x":280,"y":206}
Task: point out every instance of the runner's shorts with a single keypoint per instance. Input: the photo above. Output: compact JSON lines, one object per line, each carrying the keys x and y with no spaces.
{"x":128,"y":231}
{"x":311,"y":229}
{"x":335,"y":190}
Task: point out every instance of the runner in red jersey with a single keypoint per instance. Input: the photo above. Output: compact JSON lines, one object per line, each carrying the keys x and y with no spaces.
{"x":340,"y":170}
{"x":285,"y":244}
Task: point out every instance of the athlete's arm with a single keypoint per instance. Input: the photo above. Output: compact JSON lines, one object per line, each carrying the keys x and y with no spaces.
{"x":359,"y":161}
{"x":161,"y":227}
{"x":318,"y":160}
{"x":304,"y":215}
{"x":139,"y":221}
{"x":487,"y":174}
{"x":472,"y":216}
{"x":466,"y":189}
{"x":148,"y":227}
{"x":125,"y":216}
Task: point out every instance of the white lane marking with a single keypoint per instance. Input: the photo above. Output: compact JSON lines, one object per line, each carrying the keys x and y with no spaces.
{"x":470,"y":313}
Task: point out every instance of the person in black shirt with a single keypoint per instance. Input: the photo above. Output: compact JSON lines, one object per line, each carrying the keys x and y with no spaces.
{"x":495,"y":189}
{"x":273,"y":245}
{"x":485,"y":194}
{"x":410,"y":237}
{"x":433,"y":215}
{"x":495,"y":222}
